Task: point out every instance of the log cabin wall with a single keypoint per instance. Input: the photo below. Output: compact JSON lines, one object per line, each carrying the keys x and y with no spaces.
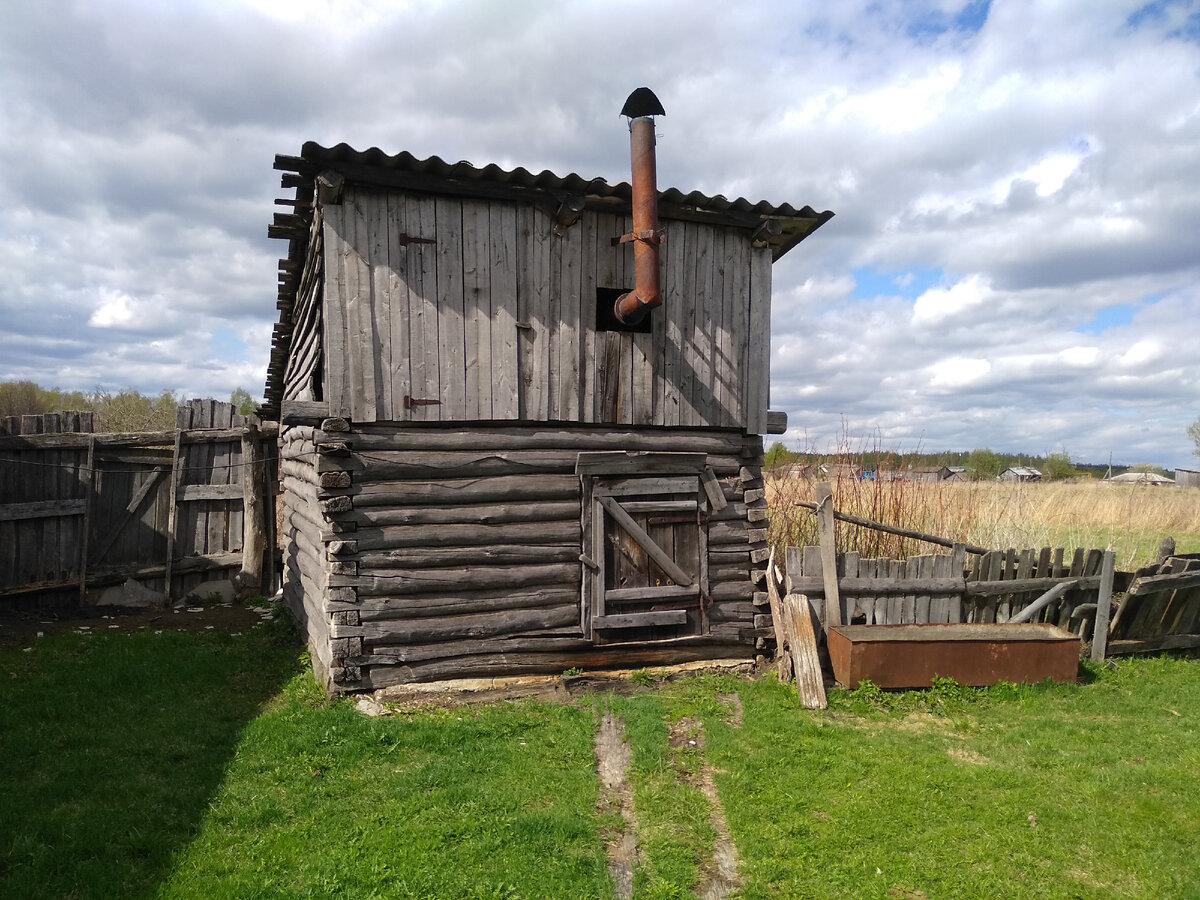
{"x":457,"y":309}
{"x":483,"y":474}
{"x":430,"y":552}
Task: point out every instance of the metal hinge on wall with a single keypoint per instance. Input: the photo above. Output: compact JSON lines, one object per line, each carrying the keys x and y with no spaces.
{"x":410,"y":402}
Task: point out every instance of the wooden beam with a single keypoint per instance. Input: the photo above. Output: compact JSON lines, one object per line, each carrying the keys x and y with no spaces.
{"x":825,"y":527}
{"x":640,"y":619}
{"x":1103,"y":607}
{"x":655,"y":552}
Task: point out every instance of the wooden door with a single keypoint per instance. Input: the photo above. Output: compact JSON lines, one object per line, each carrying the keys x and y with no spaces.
{"x":646,"y":550}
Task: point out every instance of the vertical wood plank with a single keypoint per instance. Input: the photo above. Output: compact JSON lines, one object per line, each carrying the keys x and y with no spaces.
{"x":376,"y":251}
{"x":589,"y":274}
{"x":1103,"y":607}
{"x":502,"y":237}
{"x":540,"y":317}
{"x":363,"y":344}
{"x":825,"y":527}
{"x":450,"y":308}
{"x":424,"y":366}
{"x":88,"y":482}
{"x":333,"y":320}
{"x":703,"y":326}
{"x":172,"y":514}
{"x":686,"y":317}
{"x":758,"y":378}
{"x":395,"y":293}
{"x":570,"y":247}
{"x":477,"y":309}
{"x":674,"y":298}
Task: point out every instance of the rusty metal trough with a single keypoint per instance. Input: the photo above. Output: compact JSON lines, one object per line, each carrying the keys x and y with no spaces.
{"x":909,"y":656}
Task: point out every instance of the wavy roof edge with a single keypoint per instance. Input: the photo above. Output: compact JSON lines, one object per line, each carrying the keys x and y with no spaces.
{"x":314,"y":156}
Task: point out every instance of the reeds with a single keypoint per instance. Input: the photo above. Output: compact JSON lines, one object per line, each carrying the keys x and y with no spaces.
{"x":1130,"y":519}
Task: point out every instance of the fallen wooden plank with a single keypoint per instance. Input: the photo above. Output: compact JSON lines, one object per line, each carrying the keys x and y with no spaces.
{"x":783,"y":656}
{"x":806,"y":661}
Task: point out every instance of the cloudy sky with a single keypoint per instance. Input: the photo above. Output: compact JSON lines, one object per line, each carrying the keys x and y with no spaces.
{"x":1015,"y":260}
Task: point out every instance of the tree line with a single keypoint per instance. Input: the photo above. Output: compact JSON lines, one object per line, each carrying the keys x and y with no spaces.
{"x":980,"y":464}
{"x":113,"y":412}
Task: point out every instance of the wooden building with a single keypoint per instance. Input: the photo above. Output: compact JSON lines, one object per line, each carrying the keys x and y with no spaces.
{"x":484,"y":471}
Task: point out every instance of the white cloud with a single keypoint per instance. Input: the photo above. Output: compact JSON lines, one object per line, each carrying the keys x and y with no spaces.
{"x":1046,"y":165}
{"x":115,"y":309}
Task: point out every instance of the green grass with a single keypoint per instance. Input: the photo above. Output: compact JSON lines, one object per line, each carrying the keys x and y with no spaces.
{"x":112,"y":747}
{"x":207,"y":766}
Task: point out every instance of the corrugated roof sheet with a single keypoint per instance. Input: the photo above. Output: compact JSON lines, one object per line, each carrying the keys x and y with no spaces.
{"x":314,"y":157}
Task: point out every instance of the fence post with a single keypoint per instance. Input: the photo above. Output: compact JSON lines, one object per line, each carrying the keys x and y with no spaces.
{"x":1103,"y":607}
{"x":254,"y":519}
{"x":173,"y":513}
{"x":833,"y":602}
{"x":89,"y":489}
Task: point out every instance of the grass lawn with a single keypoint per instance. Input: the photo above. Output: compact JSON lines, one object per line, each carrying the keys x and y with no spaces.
{"x":170,"y":765}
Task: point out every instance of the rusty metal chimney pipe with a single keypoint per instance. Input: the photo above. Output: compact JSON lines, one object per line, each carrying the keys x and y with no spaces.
{"x":632,"y":307}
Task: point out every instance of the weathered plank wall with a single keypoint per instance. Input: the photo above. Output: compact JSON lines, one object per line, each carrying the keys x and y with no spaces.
{"x":88,"y":510}
{"x":451,"y":309}
{"x":448,"y":552}
{"x":950,"y":589}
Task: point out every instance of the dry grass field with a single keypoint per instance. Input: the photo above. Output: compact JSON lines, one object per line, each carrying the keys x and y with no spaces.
{"x":1130,"y":519}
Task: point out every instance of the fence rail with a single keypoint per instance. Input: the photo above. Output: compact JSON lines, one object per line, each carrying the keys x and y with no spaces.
{"x":80,"y":510}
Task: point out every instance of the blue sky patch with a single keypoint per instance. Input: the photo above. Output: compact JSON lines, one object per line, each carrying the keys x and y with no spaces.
{"x":226,"y":344}
{"x":1109,"y":317}
{"x":908,"y":283}
{"x":935,"y":23}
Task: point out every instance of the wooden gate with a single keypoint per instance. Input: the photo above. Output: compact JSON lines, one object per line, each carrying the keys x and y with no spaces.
{"x":645,"y":546}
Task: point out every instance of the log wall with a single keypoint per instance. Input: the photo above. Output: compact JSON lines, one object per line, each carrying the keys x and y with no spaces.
{"x":453,"y":309}
{"x":423,"y":552}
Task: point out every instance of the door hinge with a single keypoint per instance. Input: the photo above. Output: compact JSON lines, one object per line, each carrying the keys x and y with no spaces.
{"x":410,"y":402}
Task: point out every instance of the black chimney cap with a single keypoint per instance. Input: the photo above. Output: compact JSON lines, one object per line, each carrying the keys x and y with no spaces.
{"x":642,"y":102}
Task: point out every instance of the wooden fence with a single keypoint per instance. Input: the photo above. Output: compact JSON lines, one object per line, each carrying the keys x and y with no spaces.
{"x":953,"y":588}
{"x":80,"y":511}
{"x":1155,"y":608}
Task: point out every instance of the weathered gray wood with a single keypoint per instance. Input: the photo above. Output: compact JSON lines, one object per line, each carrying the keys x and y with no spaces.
{"x":191,"y":493}
{"x":489,"y":514}
{"x":833,"y":605}
{"x":810,"y":584}
{"x":638,"y":463}
{"x":997,"y":588}
{"x":41,"y":509}
{"x":641,"y":486}
{"x":422,"y":270}
{"x":806,"y":660}
{"x":450,"y":308}
{"x":173,"y":513}
{"x":444,"y":557}
{"x":399,"y":536}
{"x":334,"y":311}
{"x":661,"y":558}
{"x":469,"y":626}
{"x":1103,"y":607}
{"x":510,"y":489}
{"x":661,"y":593}
{"x":477,"y":310}
{"x":370,"y":438}
{"x":294,"y":412}
{"x":784,"y":660}
{"x":891,"y":529}
{"x":1027,"y":614}
{"x":639,"y":619}
{"x":254,"y":522}
{"x":503,"y":282}
{"x":479,"y":577}
{"x":758,"y":374}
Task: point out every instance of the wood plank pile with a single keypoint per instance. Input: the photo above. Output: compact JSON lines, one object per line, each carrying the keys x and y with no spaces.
{"x":1160,"y":610}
